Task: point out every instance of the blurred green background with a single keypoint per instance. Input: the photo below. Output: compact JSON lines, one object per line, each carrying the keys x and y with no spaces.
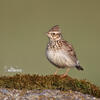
{"x":23,"y":24}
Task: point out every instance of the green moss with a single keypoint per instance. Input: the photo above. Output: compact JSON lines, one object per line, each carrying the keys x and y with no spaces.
{"x":21,"y":81}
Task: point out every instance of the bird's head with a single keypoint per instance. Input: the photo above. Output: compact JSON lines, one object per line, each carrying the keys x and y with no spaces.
{"x":54,"y":33}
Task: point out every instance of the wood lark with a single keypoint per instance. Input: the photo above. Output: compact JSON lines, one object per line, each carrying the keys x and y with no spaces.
{"x":59,"y":52}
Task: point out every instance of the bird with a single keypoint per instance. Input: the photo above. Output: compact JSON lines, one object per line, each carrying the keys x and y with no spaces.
{"x":60,"y":52}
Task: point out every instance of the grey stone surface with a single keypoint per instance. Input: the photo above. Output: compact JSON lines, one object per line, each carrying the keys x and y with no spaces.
{"x":13,"y":94}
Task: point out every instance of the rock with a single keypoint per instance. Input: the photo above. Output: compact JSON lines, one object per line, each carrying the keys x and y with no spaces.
{"x":47,"y":94}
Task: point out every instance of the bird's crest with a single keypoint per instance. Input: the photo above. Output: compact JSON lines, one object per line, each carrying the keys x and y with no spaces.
{"x":55,"y":29}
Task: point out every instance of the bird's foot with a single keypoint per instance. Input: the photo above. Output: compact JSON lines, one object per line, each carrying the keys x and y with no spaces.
{"x":55,"y":74}
{"x":63,"y":76}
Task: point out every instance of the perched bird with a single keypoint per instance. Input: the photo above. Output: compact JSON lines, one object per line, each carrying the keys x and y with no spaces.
{"x":59,"y":52}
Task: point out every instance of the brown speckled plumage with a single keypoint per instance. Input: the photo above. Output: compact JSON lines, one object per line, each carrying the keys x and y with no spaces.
{"x":59,"y":52}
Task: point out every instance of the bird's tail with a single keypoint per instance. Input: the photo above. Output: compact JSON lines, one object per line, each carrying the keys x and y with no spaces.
{"x":79,"y":67}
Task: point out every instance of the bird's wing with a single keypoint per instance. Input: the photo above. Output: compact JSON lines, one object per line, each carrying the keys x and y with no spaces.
{"x":70,"y":50}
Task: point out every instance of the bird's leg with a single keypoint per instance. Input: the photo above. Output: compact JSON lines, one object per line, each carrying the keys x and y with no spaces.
{"x":66,"y":73}
{"x":56,"y":71}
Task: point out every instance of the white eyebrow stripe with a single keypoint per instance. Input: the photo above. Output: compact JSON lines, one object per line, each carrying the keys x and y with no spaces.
{"x":54,"y":32}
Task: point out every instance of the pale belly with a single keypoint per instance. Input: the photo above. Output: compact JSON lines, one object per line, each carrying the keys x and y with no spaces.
{"x":59,"y":58}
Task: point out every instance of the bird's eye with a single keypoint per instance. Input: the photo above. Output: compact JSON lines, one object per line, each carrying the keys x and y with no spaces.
{"x":53,"y":33}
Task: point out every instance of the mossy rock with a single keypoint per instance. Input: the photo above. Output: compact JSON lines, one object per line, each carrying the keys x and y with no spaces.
{"x":27,"y":81}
